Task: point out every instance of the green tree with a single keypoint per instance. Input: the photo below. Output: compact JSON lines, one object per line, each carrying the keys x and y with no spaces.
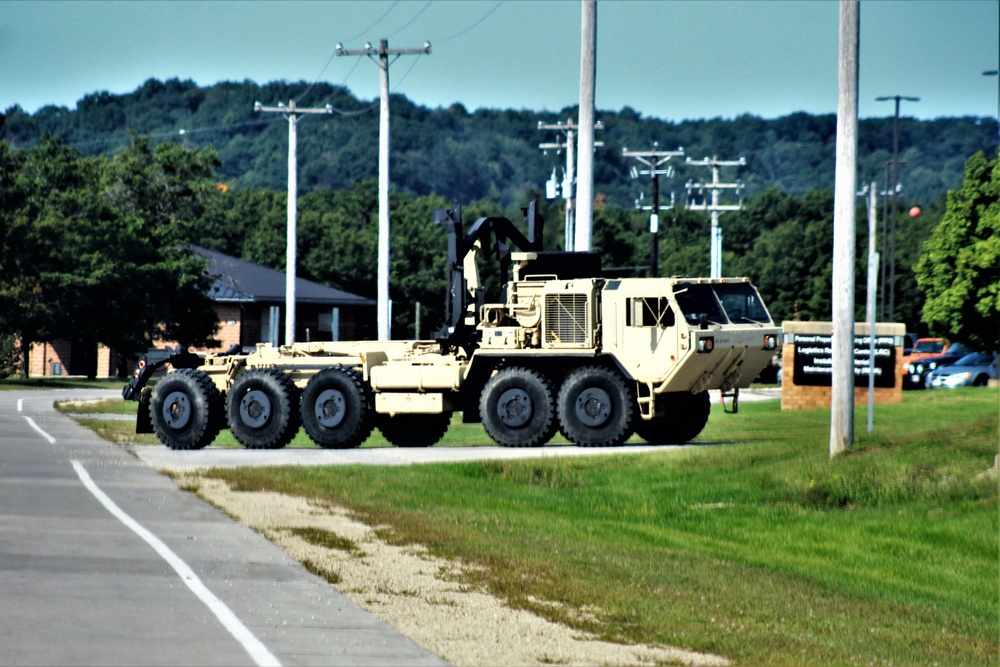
{"x":959,"y":270}
{"x":784,"y":244}
{"x":92,"y":248}
{"x":44,"y":195}
{"x":157,"y":194}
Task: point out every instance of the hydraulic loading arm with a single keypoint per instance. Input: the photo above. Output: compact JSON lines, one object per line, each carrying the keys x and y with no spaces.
{"x":465,"y":292}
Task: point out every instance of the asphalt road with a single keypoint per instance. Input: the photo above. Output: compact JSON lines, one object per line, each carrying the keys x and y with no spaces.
{"x":103,"y":561}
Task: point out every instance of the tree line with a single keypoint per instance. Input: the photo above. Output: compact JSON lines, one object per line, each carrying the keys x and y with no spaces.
{"x":493,"y":154}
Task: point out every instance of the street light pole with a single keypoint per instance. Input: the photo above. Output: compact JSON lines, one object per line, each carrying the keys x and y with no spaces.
{"x":895,"y":212}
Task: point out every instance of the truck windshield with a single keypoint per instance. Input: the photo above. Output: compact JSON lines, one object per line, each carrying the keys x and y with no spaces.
{"x":698,"y":303}
{"x":742,"y":303}
{"x":736,"y":303}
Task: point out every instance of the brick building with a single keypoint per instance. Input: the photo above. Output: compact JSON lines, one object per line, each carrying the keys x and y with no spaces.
{"x":250,"y":302}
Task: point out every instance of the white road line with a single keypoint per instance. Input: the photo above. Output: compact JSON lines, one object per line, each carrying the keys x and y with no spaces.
{"x":258,"y":652}
{"x":31,"y":422}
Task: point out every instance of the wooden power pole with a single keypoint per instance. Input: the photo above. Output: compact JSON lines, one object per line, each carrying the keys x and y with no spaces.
{"x":381,"y":56}
{"x":845,"y":187}
{"x":293,"y":113}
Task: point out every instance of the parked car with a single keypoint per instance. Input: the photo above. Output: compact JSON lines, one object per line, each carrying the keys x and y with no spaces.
{"x":915,"y":372}
{"x":909,"y":340}
{"x":972,"y":370}
{"x":926,"y":347}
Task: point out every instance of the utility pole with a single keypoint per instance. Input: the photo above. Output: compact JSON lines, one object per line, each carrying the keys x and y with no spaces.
{"x":567,"y":143}
{"x":885,"y":227}
{"x":716,"y":209}
{"x":293,"y":114}
{"x":588,"y":72}
{"x":654,"y":159}
{"x":895,"y":193}
{"x":996,"y":73}
{"x":382,"y":53}
{"x":845,"y":187}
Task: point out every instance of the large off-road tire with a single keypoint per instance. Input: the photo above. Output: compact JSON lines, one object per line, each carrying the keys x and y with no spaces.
{"x":335,"y":409}
{"x":414,"y":430}
{"x":263,"y":409}
{"x":517,"y":407}
{"x":685,"y":415}
{"x":595,"y":407}
{"x":186,"y":410}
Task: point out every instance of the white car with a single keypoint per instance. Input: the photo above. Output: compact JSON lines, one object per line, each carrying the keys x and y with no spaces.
{"x":972,"y":370}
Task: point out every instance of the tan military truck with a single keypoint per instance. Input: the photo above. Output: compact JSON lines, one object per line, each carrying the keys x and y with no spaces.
{"x":565,"y":349}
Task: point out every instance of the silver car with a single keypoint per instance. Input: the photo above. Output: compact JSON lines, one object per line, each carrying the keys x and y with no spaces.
{"x":972,"y":370}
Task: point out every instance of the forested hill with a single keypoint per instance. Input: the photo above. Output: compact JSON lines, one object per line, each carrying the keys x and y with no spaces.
{"x":466,"y":156}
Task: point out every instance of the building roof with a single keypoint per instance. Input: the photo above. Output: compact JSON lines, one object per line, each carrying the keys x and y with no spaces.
{"x":238,"y":281}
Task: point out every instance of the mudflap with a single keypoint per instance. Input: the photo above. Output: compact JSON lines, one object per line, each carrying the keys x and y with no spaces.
{"x":735,"y":395}
{"x":143,"y":421}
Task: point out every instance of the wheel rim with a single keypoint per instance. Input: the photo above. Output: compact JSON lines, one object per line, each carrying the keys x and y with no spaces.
{"x":255,"y":408}
{"x":514,"y":408}
{"x":330,"y":408}
{"x":177,"y":410}
{"x":593,"y":407}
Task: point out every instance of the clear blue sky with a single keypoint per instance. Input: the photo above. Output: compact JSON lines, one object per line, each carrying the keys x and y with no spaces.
{"x":674,"y":60}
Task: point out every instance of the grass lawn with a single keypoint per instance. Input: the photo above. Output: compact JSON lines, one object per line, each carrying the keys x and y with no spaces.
{"x":754,"y":545}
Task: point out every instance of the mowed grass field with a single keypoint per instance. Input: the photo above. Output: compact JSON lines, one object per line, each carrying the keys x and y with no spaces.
{"x":753,"y":545}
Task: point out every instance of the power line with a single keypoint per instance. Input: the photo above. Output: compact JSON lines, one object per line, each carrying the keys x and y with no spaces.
{"x":465,"y":30}
{"x":372,"y":26}
{"x":405,"y":74}
{"x":334,"y":54}
{"x":410,"y":22}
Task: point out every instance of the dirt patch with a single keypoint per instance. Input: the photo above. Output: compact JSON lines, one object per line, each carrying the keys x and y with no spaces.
{"x":418,"y":594}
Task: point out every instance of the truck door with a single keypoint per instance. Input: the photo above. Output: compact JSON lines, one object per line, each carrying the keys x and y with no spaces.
{"x":647,"y":345}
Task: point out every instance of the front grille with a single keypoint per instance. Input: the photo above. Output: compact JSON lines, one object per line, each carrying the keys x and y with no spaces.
{"x":566,"y":321}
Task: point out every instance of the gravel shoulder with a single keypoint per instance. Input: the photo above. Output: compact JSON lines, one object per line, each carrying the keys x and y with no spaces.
{"x":420,"y":595}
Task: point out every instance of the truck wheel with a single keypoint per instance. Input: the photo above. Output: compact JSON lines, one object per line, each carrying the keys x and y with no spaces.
{"x":517,"y":408}
{"x":263,"y":409}
{"x":685,"y":415}
{"x":414,"y":430}
{"x":186,"y":409}
{"x":335,"y":410}
{"x":596,"y":407}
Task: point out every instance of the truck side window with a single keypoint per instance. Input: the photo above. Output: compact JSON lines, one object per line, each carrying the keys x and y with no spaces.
{"x":649,"y":312}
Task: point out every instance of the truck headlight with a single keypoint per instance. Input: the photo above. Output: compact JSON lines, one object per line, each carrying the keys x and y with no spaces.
{"x":770,"y":342}
{"x":706,"y":344}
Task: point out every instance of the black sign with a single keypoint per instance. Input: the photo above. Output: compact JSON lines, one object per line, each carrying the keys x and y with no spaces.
{"x":813,"y":363}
